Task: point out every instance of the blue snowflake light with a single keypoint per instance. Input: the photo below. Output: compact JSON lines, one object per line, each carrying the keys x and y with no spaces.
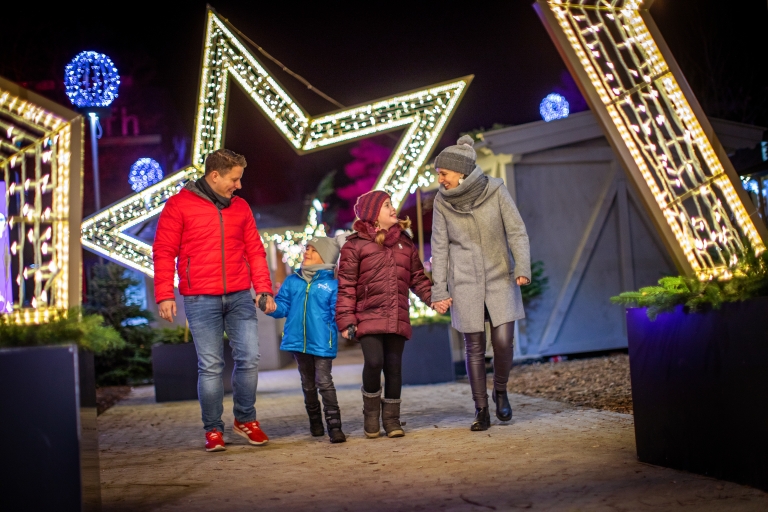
{"x":144,"y":172}
{"x":554,"y":106}
{"x":91,"y":80}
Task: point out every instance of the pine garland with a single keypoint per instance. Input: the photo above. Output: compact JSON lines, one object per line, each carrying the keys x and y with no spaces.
{"x":750,"y":279}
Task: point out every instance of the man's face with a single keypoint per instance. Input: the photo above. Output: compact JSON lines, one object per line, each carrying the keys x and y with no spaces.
{"x":225,"y":185}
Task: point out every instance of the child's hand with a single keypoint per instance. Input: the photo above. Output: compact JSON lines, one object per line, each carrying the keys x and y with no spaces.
{"x":349,"y":332}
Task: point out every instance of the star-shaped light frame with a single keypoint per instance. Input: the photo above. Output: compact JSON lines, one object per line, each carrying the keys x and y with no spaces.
{"x":640,"y":97}
{"x":423,"y":113}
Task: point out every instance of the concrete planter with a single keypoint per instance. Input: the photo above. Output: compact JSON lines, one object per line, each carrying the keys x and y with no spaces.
{"x":174,"y":370}
{"x":700,"y":390}
{"x":50,"y":460}
{"x":427,"y":357}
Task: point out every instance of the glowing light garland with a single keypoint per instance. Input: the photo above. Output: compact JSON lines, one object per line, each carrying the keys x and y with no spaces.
{"x":651,"y":116}
{"x":554,"y":106}
{"x":144,"y":172}
{"x":91,"y":80}
{"x":35,"y":164}
{"x":423,"y":113}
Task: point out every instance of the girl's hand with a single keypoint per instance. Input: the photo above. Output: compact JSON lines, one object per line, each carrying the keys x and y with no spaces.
{"x":523,"y":281}
{"x":442,"y":306}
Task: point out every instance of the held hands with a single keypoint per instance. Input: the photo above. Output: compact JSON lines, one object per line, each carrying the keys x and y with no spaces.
{"x":167,"y":309}
{"x":266,"y":303}
{"x":349,"y":332}
{"x":442,"y":306}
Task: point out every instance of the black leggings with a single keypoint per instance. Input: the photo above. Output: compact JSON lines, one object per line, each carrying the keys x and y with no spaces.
{"x":383,"y":352}
{"x":502,"y":339}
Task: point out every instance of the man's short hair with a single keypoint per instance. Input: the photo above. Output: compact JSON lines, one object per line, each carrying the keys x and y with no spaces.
{"x":223,"y":160}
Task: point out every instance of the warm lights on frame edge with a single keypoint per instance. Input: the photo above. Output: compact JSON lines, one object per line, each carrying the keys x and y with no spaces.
{"x":37,"y":167}
{"x":625,"y":73}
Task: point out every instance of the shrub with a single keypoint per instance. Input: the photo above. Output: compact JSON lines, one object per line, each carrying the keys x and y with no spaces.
{"x":750,"y":279}
{"x":86,"y":331}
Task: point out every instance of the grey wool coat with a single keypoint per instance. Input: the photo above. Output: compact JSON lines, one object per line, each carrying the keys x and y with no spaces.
{"x":478,"y":255}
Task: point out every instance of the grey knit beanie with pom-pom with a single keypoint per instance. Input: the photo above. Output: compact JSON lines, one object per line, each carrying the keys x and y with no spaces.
{"x":459,"y":158}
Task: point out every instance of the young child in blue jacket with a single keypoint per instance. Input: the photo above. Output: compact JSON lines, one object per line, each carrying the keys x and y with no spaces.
{"x":308,"y":300}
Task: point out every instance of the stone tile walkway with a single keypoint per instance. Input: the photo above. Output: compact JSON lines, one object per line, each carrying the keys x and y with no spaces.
{"x":552,"y":456}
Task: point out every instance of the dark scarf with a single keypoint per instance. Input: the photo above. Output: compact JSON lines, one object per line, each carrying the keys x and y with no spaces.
{"x":368,"y":231}
{"x":221,"y":202}
{"x":463,"y":197}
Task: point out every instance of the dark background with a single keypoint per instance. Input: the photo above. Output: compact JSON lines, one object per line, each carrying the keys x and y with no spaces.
{"x":354,"y":52}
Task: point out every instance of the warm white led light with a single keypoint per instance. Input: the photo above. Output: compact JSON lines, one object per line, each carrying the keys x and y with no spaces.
{"x":424,"y":113}
{"x":38,"y":178}
{"x":665,"y":140}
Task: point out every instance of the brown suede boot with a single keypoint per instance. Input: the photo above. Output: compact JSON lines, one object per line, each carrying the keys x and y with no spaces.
{"x":371,"y":412}
{"x":390,"y":417}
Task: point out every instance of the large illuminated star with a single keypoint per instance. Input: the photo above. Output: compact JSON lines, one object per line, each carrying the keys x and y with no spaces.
{"x":423,"y":114}
{"x":638,"y":94}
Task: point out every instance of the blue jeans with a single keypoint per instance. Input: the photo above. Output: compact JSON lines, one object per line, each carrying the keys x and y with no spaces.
{"x":210,"y":316}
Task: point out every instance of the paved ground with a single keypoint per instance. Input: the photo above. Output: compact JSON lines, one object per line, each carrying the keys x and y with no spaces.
{"x":552,"y":456}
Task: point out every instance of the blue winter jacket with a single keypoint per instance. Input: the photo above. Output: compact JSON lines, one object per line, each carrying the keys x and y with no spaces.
{"x":310,"y":309}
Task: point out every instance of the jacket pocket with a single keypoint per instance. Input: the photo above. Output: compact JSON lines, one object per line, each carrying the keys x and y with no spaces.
{"x":189,"y":283}
{"x":361,"y":306}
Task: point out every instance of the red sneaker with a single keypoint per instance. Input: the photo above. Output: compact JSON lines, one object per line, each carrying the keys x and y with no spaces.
{"x":214,"y":441}
{"x":251,"y":431}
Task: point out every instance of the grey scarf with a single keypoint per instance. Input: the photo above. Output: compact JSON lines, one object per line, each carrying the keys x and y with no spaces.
{"x":464,"y":196}
{"x":308,"y":271}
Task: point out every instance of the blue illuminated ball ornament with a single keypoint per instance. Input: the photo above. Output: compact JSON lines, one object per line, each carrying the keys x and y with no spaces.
{"x":144,"y":172}
{"x":554,"y":106}
{"x":91,"y":80}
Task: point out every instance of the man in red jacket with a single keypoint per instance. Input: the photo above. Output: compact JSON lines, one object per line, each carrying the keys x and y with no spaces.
{"x":209,"y":237}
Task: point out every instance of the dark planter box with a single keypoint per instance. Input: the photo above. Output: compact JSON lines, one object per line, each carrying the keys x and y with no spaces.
{"x":174,"y":370}
{"x":700,"y":390}
{"x":427,"y":356}
{"x":50,"y":456}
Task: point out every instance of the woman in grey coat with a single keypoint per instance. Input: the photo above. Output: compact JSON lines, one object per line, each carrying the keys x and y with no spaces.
{"x":480,"y":258}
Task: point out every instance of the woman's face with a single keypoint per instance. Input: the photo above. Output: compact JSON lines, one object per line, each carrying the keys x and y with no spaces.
{"x":312,"y":257}
{"x":448,"y":179}
{"x":387,"y":215}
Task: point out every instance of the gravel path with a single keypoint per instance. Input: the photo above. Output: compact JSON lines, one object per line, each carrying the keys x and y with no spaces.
{"x":599,"y":383}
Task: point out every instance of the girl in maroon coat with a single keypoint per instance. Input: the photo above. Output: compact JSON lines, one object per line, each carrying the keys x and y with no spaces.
{"x":379,"y":264}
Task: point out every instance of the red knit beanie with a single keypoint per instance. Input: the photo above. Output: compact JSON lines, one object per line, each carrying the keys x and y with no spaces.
{"x":369,"y":205}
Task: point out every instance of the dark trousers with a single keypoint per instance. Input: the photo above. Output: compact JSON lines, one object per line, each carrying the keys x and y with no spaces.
{"x":383,"y":352}
{"x":502,"y":340}
{"x":315,"y":374}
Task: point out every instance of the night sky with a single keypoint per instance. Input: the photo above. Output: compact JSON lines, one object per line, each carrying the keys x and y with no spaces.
{"x":360,"y":51}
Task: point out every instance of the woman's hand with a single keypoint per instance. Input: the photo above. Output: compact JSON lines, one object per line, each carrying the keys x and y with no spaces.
{"x":523,"y":281}
{"x":442,"y":306}
{"x":349,"y":332}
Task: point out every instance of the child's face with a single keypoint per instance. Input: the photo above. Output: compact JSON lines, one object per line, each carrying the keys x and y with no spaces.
{"x":387,"y":215}
{"x":312,"y":257}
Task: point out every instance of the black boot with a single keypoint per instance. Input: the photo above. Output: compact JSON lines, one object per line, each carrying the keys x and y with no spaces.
{"x":390,"y":417}
{"x":314,"y":413}
{"x":482,"y":420}
{"x":315,"y":420}
{"x":503,"y":409}
{"x":371,"y":413}
{"x":333,"y":421}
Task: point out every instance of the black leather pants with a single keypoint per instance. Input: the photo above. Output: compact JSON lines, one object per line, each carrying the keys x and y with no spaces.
{"x":502,"y":339}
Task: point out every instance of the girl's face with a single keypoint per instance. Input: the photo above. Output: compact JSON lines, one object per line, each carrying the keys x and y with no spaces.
{"x":387,"y":215}
{"x":312,"y":257}
{"x":448,"y":179}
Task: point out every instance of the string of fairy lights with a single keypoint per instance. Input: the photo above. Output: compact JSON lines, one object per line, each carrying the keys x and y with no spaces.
{"x":663,"y":136}
{"x":423,"y":113}
{"x":35,"y":172}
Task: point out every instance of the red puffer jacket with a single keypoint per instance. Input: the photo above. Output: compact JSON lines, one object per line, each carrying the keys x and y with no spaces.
{"x":218,"y":251}
{"x":374,"y":281}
